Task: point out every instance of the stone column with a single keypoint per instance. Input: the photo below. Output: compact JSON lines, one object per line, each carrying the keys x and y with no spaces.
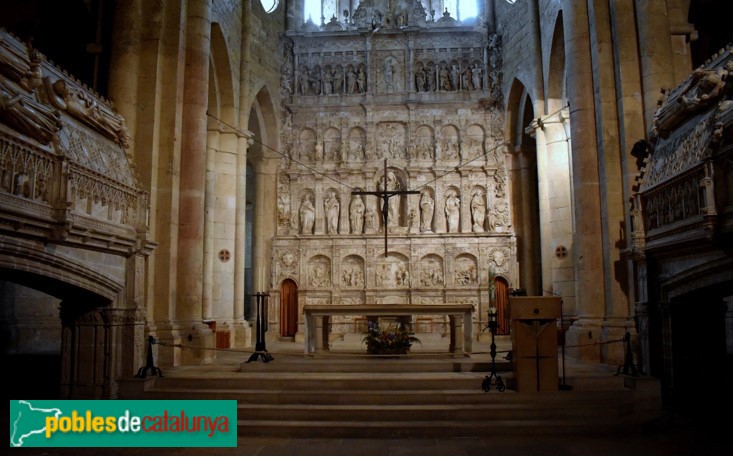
{"x":656,"y":53}
{"x":224,"y":224}
{"x":209,"y":204}
{"x":544,"y":204}
{"x":588,"y":241}
{"x":124,"y":71}
{"x":188,"y":311}
{"x":612,"y":184}
{"x":319,"y":227}
{"x":344,"y":202}
{"x":265,"y":219}
{"x":528,"y":163}
{"x":242,"y":330}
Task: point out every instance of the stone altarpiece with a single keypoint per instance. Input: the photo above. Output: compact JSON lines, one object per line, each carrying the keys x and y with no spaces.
{"x":392,"y":84}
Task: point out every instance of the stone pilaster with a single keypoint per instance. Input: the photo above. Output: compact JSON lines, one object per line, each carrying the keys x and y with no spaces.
{"x":193,"y":163}
{"x":588,"y":244}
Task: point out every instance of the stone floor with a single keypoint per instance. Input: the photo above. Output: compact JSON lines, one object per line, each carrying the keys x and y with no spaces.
{"x":668,"y":435}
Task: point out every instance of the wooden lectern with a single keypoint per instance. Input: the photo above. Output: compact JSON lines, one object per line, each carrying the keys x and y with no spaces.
{"x":534,"y":341}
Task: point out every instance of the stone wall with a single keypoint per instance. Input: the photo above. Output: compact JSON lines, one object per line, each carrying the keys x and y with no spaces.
{"x":407,"y":109}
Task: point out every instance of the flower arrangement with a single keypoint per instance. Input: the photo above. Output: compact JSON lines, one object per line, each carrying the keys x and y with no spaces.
{"x":395,"y":339}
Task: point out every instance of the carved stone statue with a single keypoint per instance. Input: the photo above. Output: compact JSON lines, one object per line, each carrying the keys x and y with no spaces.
{"x":420,"y":80}
{"x":452,"y":211}
{"x":478,"y":212}
{"x":477,"y":76}
{"x":361,"y":81}
{"x":356,"y":215}
{"x":392,"y":183}
{"x":350,"y":81}
{"x":28,"y":116}
{"x":430,"y":77}
{"x":332,"y":213}
{"x":427,"y":208}
{"x":307,"y":216}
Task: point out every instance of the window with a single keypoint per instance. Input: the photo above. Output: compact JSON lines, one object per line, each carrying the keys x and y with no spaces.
{"x":269,"y":5}
{"x":312,"y":11}
{"x":461,"y":9}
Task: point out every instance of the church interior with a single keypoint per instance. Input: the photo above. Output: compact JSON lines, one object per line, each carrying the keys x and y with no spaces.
{"x":164,"y":162}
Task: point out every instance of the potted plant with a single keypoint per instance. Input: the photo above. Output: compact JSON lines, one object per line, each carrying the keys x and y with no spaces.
{"x":393,"y":339}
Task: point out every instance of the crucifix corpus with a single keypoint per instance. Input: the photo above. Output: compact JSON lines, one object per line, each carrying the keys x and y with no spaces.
{"x":385,"y":194}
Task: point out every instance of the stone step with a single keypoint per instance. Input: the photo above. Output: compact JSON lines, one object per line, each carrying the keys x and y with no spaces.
{"x":417,"y":396}
{"x":329,"y":381}
{"x":436,"y":412}
{"x":410,"y":429}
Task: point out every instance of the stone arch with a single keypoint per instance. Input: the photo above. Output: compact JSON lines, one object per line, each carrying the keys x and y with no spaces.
{"x":100,"y":336}
{"x":332,"y":145}
{"x":524,"y":197}
{"x":430,"y":271}
{"x":424,"y":148}
{"x":465,"y":270}
{"x":221,"y":93}
{"x":353,"y":272}
{"x":556,"y":77}
{"x":449,"y":143}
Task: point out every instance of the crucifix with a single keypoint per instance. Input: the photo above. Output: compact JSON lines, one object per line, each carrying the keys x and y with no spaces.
{"x":385,"y":194}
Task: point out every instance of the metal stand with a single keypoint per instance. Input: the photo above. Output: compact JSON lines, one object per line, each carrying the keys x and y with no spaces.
{"x":260,"y":349}
{"x":149,"y":365}
{"x":493,"y":379}
{"x":628,"y":367}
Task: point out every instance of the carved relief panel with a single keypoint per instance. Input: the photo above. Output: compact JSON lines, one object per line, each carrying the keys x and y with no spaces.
{"x":430,"y":271}
{"x":392,"y":272}
{"x":391,"y":140}
{"x":319,"y":271}
{"x":465,"y":270}
{"x":352,"y":272}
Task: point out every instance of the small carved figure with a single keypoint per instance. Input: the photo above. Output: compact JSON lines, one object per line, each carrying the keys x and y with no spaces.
{"x":478,"y":212}
{"x":452,"y":211}
{"x":444,"y":79}
{"x":350,"y":81}
{"x":455,"y":76}
{"x":420,"y":79}
{"x":361,"y":81}
{"x":477,"y":74}
{"x":338,"y":81}
{"x":332,"y":213}
{"x":304,"y":81}
{"x":307,"y":216}
{"x":356,"y":215}
{"x":427,"y":208}
{"x":430,"y":77}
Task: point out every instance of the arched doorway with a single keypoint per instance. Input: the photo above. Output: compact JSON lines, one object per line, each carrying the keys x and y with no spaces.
{"x":502,"y":304}
{"x":288,"y":308}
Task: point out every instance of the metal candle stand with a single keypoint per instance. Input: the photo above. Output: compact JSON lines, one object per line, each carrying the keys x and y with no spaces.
{"x":493,"y":379}
{"x":260,"y":347}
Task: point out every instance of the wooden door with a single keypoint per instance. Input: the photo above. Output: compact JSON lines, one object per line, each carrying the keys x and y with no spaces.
{"x":502,"y":304}
{"x":288,"y":308}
